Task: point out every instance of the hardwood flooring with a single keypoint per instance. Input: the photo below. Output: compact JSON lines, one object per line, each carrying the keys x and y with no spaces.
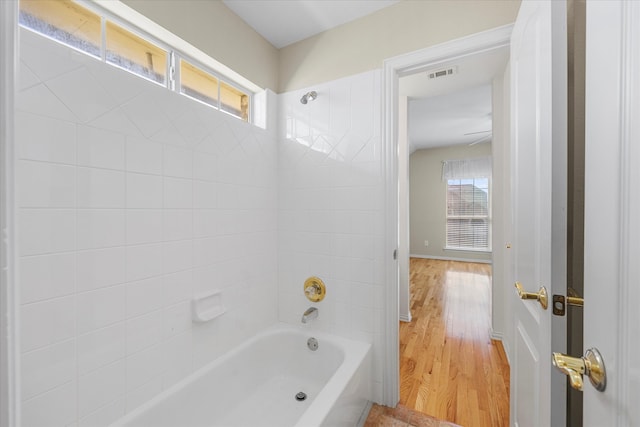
{"x":449,"y":366}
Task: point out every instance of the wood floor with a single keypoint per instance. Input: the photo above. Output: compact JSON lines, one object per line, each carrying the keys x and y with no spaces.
{"x":449,"y":366}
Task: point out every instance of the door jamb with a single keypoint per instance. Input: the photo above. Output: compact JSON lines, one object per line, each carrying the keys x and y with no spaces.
{"x":9,"y":360}
{"x":394,"y":68}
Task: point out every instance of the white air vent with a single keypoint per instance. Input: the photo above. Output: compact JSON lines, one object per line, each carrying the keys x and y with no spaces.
{"x":443,"y":72}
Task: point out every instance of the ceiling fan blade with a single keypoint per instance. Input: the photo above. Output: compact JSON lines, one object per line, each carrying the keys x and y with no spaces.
{"x":478,"y":141}
{"x":474,"y":133}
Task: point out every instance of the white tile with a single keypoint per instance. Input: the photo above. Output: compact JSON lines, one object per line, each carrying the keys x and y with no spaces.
{"x":101,"y":347}
{"x":144,"y":331}
{"x":99,"y":188}
{"x":144,"y":191}
{"x":100,"y":148}
{"x":205,"y":195}
{"x":47,"y":368}
{"x":46,"y":231}
{"x":177,"y":286}
{"x":101,"y":387}
{"x":45,"y":139}
{"x":144,"y":261}
{"x":42,"y":185}
{"x":144,"y":296}
{"x":82,"y":94}
{"x":47,"y":276}
{"x":100,"y":268}
{"x":40,"y":100}
{"x":205,"y":166}
{"x":57,"y":407}
{"x":177,"y":358}
{"x":26,"y":77}
{"x":144,"y":226}
{"x":144,"y":366}
{"x":144,"y":156}
{"x":206,"y":251}
{"x":117,"y":121}
{"x":105,"y":416}
{"x":144,"y":393}
{"x":177,"y":162}
{"x":177,"y":224}
{"x":205,"y":222}
{"x":146,"y":115}
{"x":45,"y":57}
{"x":178,"y":193}
{"x":177,"y":318}
{"x":97,"y":309}
{"x":177,"y":256}
{"x":47,"y":322}
{"x":121,"y":84}
{"x":100,"y":228}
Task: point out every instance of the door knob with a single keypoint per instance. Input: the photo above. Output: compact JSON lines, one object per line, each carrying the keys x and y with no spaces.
{"x":541,"y":296}
{"x":590,"y":364}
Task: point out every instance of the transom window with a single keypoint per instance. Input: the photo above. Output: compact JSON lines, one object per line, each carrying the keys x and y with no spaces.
{"x":93,"y":32}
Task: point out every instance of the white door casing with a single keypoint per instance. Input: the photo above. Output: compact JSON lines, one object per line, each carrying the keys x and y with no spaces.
{"x":393,"y":69}
{"x":538,"y":184}
{"x":612,"y":209}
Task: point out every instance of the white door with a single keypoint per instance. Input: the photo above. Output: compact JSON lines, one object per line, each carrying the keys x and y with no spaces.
{"x":612,"y":209}
{"x":538,"y":150}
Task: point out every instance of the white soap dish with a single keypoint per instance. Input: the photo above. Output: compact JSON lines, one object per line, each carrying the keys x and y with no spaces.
{"x":206,"y":307}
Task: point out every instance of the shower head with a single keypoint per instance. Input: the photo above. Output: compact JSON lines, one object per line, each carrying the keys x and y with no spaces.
{"x":309,"y":96}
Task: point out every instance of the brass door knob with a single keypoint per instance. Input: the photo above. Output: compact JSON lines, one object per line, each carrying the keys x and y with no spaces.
{"x":541,"y":296}
{"x":591,"y":364}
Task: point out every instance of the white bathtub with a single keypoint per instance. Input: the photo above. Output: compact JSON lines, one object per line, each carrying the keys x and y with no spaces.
{"x":255,"y":386}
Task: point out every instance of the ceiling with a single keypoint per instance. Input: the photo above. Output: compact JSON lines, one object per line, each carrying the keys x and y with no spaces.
{"x":442,"y":111}
{"x":283,"y":22}
{"x":455,"y":109}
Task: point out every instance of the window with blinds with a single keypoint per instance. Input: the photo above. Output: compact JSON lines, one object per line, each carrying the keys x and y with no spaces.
{"x":468,"y":214}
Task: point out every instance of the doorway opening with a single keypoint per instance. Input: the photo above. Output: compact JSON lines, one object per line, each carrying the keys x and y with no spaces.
{"x":446,"y":223}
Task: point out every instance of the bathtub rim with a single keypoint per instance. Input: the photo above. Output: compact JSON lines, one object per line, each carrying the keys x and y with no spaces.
{"x":354,"y":352}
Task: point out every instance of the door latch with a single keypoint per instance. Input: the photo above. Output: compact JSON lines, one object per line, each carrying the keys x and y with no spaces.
{"x":560,"y":302}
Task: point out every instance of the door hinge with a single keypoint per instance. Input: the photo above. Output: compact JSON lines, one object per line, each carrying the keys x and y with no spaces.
{"x":395,"y":254}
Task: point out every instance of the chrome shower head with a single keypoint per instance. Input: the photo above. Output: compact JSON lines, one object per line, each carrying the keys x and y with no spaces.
{"x":309,"y":96}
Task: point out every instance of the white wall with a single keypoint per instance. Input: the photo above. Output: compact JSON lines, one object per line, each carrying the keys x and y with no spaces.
{"x":502,"y":280}
{"x":131,"y":199}
{"x":330,"y":208}
{"x":428,"y":212}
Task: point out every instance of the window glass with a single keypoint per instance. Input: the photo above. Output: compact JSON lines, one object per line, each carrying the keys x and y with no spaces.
{"x":468,"y":220}
{"x":65,"y":21}
{"x":133,"y":53}
{"x":234,"y":101}
{"x":198,"y":84}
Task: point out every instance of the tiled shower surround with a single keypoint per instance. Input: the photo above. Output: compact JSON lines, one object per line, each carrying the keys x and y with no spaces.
{"x":133,"y":199}
{"x":330,"y":209}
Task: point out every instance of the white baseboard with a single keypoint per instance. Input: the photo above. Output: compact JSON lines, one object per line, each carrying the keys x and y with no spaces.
{"x":495,"y":335}
{"x":505,"y":345}
{"x":448,"y":258}
{"x":406,"y":318}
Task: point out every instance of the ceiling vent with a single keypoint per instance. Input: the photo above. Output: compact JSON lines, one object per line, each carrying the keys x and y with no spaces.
{"x":443,"y":72}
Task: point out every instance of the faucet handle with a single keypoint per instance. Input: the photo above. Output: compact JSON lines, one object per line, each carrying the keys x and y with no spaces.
{"x":314,"y":289}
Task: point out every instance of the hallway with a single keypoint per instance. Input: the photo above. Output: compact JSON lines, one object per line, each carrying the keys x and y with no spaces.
{"x":449,"y":366}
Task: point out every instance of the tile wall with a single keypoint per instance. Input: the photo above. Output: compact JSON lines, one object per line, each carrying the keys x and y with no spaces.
{"x":131,"y":200}
{"x":330,"y":209}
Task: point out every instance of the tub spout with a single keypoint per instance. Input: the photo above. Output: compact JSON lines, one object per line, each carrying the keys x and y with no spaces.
{"x":310,"y":314}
